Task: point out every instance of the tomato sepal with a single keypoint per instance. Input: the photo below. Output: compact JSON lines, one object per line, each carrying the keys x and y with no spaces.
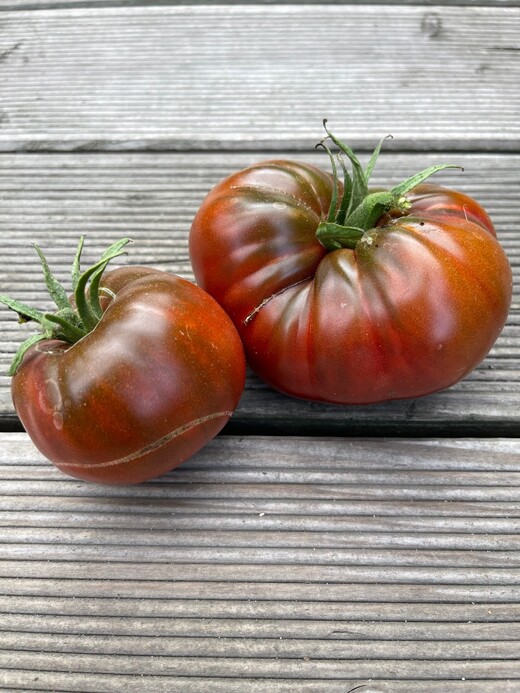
{"x":359,"y":209}
{"x":73,"y":319}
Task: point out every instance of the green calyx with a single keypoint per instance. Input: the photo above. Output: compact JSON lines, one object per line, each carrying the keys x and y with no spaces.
{"x":358,"y":209}
{"x":73,"y":319}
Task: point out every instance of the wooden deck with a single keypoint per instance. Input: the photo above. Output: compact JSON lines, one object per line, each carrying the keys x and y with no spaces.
{"x":309,"y":548}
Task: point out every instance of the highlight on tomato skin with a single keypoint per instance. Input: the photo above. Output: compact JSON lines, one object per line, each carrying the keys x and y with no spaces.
{"x":155,"y":372}
{"x":348,"y":295}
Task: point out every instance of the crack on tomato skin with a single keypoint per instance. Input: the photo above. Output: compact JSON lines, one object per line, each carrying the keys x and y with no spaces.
{"x":152,"y":446}
{"x":257,"y":309}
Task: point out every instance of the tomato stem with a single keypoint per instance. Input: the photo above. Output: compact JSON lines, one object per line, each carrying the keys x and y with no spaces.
{"x":334,"y":236}
{"x":359,"y":210}
{"x":73,"y":319}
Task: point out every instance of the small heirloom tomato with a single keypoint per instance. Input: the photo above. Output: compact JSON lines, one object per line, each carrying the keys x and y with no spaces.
{"x":131,"y":376}
{"x":348,"y":295}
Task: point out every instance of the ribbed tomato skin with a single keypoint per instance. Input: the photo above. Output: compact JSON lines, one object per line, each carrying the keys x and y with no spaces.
{"x":412,"y":309}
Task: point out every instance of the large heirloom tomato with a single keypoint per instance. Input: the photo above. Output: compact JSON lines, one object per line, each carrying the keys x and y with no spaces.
{"x":350,"y":296}
{"x":155,"y":371}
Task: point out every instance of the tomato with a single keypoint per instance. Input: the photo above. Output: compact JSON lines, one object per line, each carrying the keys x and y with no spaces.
{"x":156,"y":378}
{"x":347,"y":295}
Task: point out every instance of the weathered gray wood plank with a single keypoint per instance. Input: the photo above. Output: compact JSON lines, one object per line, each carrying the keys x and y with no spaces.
{"x":385,"y":541}
{"x":133,"y":588}
{"x":88,"y":683}
{"x":176,"y":615}
{"x":430,"y":527}
{"x":258,"y":647}
{"x":270,"y":571}
{"x":9,"y":5}
{"x":92,"y":683}
{"x":236,"y":667}
{"x":161,"y":77}
{"x":33,"y":593}
{"x":52,"y":199}
{"x":277,"y":627}
{"x":172,"y":611}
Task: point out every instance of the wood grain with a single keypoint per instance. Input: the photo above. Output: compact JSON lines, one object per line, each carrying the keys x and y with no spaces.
{"x":385,"y":559}
{"x":105,"y":588}
{"x":23,"y":5}
{"x":87,"y":683}
{"x":161,"y":77}
{"x":52,"y":199}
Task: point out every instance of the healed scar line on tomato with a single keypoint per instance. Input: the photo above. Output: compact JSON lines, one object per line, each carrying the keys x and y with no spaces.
{"x":152,"y":446}
{"x":255,"y":310}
